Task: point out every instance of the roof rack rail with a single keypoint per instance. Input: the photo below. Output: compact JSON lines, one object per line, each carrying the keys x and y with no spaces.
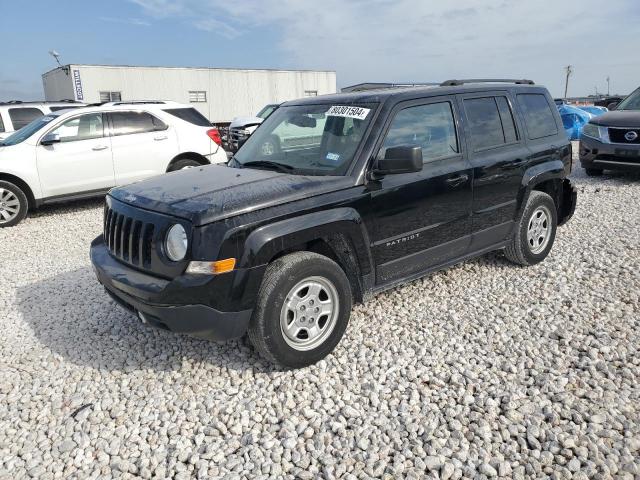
{"x":453,"y":83}
{"x":141,"y":102}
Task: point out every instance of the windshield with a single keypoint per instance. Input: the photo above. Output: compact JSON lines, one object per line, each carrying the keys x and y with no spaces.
{"x":632,"y":102}
{"x":307,"y":139}
{"x":29,"y":129}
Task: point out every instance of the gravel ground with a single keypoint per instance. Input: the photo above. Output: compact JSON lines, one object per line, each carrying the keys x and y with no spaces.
{"x":484,"y":370}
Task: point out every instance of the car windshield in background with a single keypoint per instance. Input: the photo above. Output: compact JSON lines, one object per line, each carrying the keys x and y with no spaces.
{"x":28,"y":130}
{"x":266,"y":111}
{"x":190,"y":115}
{"x":632,"y":102}
{"x":307,"y":139}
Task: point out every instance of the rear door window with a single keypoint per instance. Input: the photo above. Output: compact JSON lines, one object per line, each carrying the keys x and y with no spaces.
{"x":190,"y":115}
{"x":506,"y":116}
{"x":128,"y":123}
{"x":538,"y":115}
{"x":23,"y":116}
{"x":491,"y":122}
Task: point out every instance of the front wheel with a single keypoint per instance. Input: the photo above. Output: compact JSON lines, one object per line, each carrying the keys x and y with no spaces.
{"x":13,"y":204}
{"x":535,"y":232}
{"x":303,"y":309}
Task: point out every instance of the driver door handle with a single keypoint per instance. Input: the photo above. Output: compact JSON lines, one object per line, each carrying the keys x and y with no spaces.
{"x":99,"y":147}
{"x":457,"y":180}
{"x":161,"y":137}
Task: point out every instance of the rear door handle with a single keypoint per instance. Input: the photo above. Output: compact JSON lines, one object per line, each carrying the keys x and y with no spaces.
{"x":161,"y":137}
{"x":99,"y":147}
{"x":457,"y":180}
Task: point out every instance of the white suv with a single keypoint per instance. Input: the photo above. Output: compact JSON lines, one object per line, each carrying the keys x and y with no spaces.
{"x":86,"y":151}
{"x":15,"y":114}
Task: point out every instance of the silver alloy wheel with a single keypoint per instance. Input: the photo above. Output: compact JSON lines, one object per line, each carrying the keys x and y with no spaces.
{"x":309,"y":313}
{"x":9,"y":205}
{"x":539,"y":230}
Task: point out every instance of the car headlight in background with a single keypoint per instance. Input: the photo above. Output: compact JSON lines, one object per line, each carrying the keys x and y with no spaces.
{"x":591,"y":130}
{"x":176,"y":243}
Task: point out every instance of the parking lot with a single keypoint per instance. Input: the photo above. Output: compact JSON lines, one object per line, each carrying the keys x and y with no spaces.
{"x":482,"y":370}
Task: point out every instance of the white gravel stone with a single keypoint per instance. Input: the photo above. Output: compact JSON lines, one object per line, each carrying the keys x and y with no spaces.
{"x":481,"y":370}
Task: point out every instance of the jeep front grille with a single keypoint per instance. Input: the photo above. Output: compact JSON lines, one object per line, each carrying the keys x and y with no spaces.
{"x":128,"y":239}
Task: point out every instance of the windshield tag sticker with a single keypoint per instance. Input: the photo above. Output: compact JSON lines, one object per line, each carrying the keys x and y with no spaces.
{"x":46,"y":119}
{"x":333,"y":157}
{"x":358,"y":113}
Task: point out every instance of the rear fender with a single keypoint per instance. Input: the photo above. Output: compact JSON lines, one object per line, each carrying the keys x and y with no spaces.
{"x":536,"y":175}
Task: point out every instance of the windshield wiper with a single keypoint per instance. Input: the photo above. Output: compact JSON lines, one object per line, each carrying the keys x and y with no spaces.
{"x":268,"y":164}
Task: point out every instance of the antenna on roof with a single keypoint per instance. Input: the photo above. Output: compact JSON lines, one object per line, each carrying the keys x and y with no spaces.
{"x":55,"y":55}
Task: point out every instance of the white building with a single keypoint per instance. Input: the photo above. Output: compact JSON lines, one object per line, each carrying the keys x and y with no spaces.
{"x":218,"y":93}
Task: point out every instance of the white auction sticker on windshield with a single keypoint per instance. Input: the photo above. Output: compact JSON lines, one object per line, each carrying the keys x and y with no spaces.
{"x":358,"y":113}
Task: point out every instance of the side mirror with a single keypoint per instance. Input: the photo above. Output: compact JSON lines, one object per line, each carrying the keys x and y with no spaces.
{"x":400,"y":160}
{"x":50,"y":139}
{"x":612,"y":105}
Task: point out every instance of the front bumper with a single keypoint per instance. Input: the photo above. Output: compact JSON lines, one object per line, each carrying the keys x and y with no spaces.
{"x":215,"y":307}
{"x":609,"y":156}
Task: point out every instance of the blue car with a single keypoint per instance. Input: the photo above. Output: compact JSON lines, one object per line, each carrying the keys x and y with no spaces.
{"x":574,"y":119}
{"x":593,"y":110}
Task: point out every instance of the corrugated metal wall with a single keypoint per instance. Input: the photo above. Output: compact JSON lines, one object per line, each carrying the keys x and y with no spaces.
{"x":230,"y":93}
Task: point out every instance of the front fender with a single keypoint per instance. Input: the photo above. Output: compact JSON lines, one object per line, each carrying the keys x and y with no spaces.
{"x":266,"y":242}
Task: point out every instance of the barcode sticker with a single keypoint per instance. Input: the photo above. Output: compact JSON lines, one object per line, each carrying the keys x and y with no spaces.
{"x":358,"y":113}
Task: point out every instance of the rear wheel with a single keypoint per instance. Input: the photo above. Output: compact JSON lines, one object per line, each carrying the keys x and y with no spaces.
{"x":13,"y":204}
{"x":536,"y":231}
{"x":303,"y":310}
{"x":183,"y":164}
{"x":594,"y":172}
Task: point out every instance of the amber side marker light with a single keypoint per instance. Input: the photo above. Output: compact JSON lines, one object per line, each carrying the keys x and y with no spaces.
{"x":212,"y":268}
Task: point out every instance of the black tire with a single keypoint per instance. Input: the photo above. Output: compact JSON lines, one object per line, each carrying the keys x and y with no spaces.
{"x":520,"y":250}
{"x":184,"y":163}
{"x":594,"y":172}
{"x":281,"y":276}
{"x":9,"y":215}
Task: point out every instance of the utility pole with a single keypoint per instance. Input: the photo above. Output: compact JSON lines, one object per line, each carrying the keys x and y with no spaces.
{"x":569,"y":70}
{"x":608,"y":85}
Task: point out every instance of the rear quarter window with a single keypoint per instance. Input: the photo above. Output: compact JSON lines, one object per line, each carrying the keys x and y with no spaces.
{"x":23,"y":116}
{"x":538,"y":115}
{"x":190,"y":115}
{"x":1,"y":124}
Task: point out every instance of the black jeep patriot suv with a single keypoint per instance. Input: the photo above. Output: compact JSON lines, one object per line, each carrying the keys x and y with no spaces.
{"x":333,"y":199}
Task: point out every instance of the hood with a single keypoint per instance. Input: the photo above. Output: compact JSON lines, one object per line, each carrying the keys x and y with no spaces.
{"x":618,"y":118}
{"x":244,"y":121}
{"x":215,"y":192}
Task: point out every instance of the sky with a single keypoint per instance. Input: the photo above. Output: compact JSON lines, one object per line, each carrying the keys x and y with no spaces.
{"x":362,"y":40}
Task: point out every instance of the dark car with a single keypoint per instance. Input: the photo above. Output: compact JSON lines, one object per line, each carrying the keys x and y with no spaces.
{"x":611,"y":141}
{"x":384,"y":187}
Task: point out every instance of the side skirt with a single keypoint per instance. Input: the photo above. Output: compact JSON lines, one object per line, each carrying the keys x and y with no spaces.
{"x":71,"y":197}
{"x":395,"y":283}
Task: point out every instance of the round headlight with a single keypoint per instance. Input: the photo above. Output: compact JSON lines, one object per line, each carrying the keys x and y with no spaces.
{"x":176,"y":243}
